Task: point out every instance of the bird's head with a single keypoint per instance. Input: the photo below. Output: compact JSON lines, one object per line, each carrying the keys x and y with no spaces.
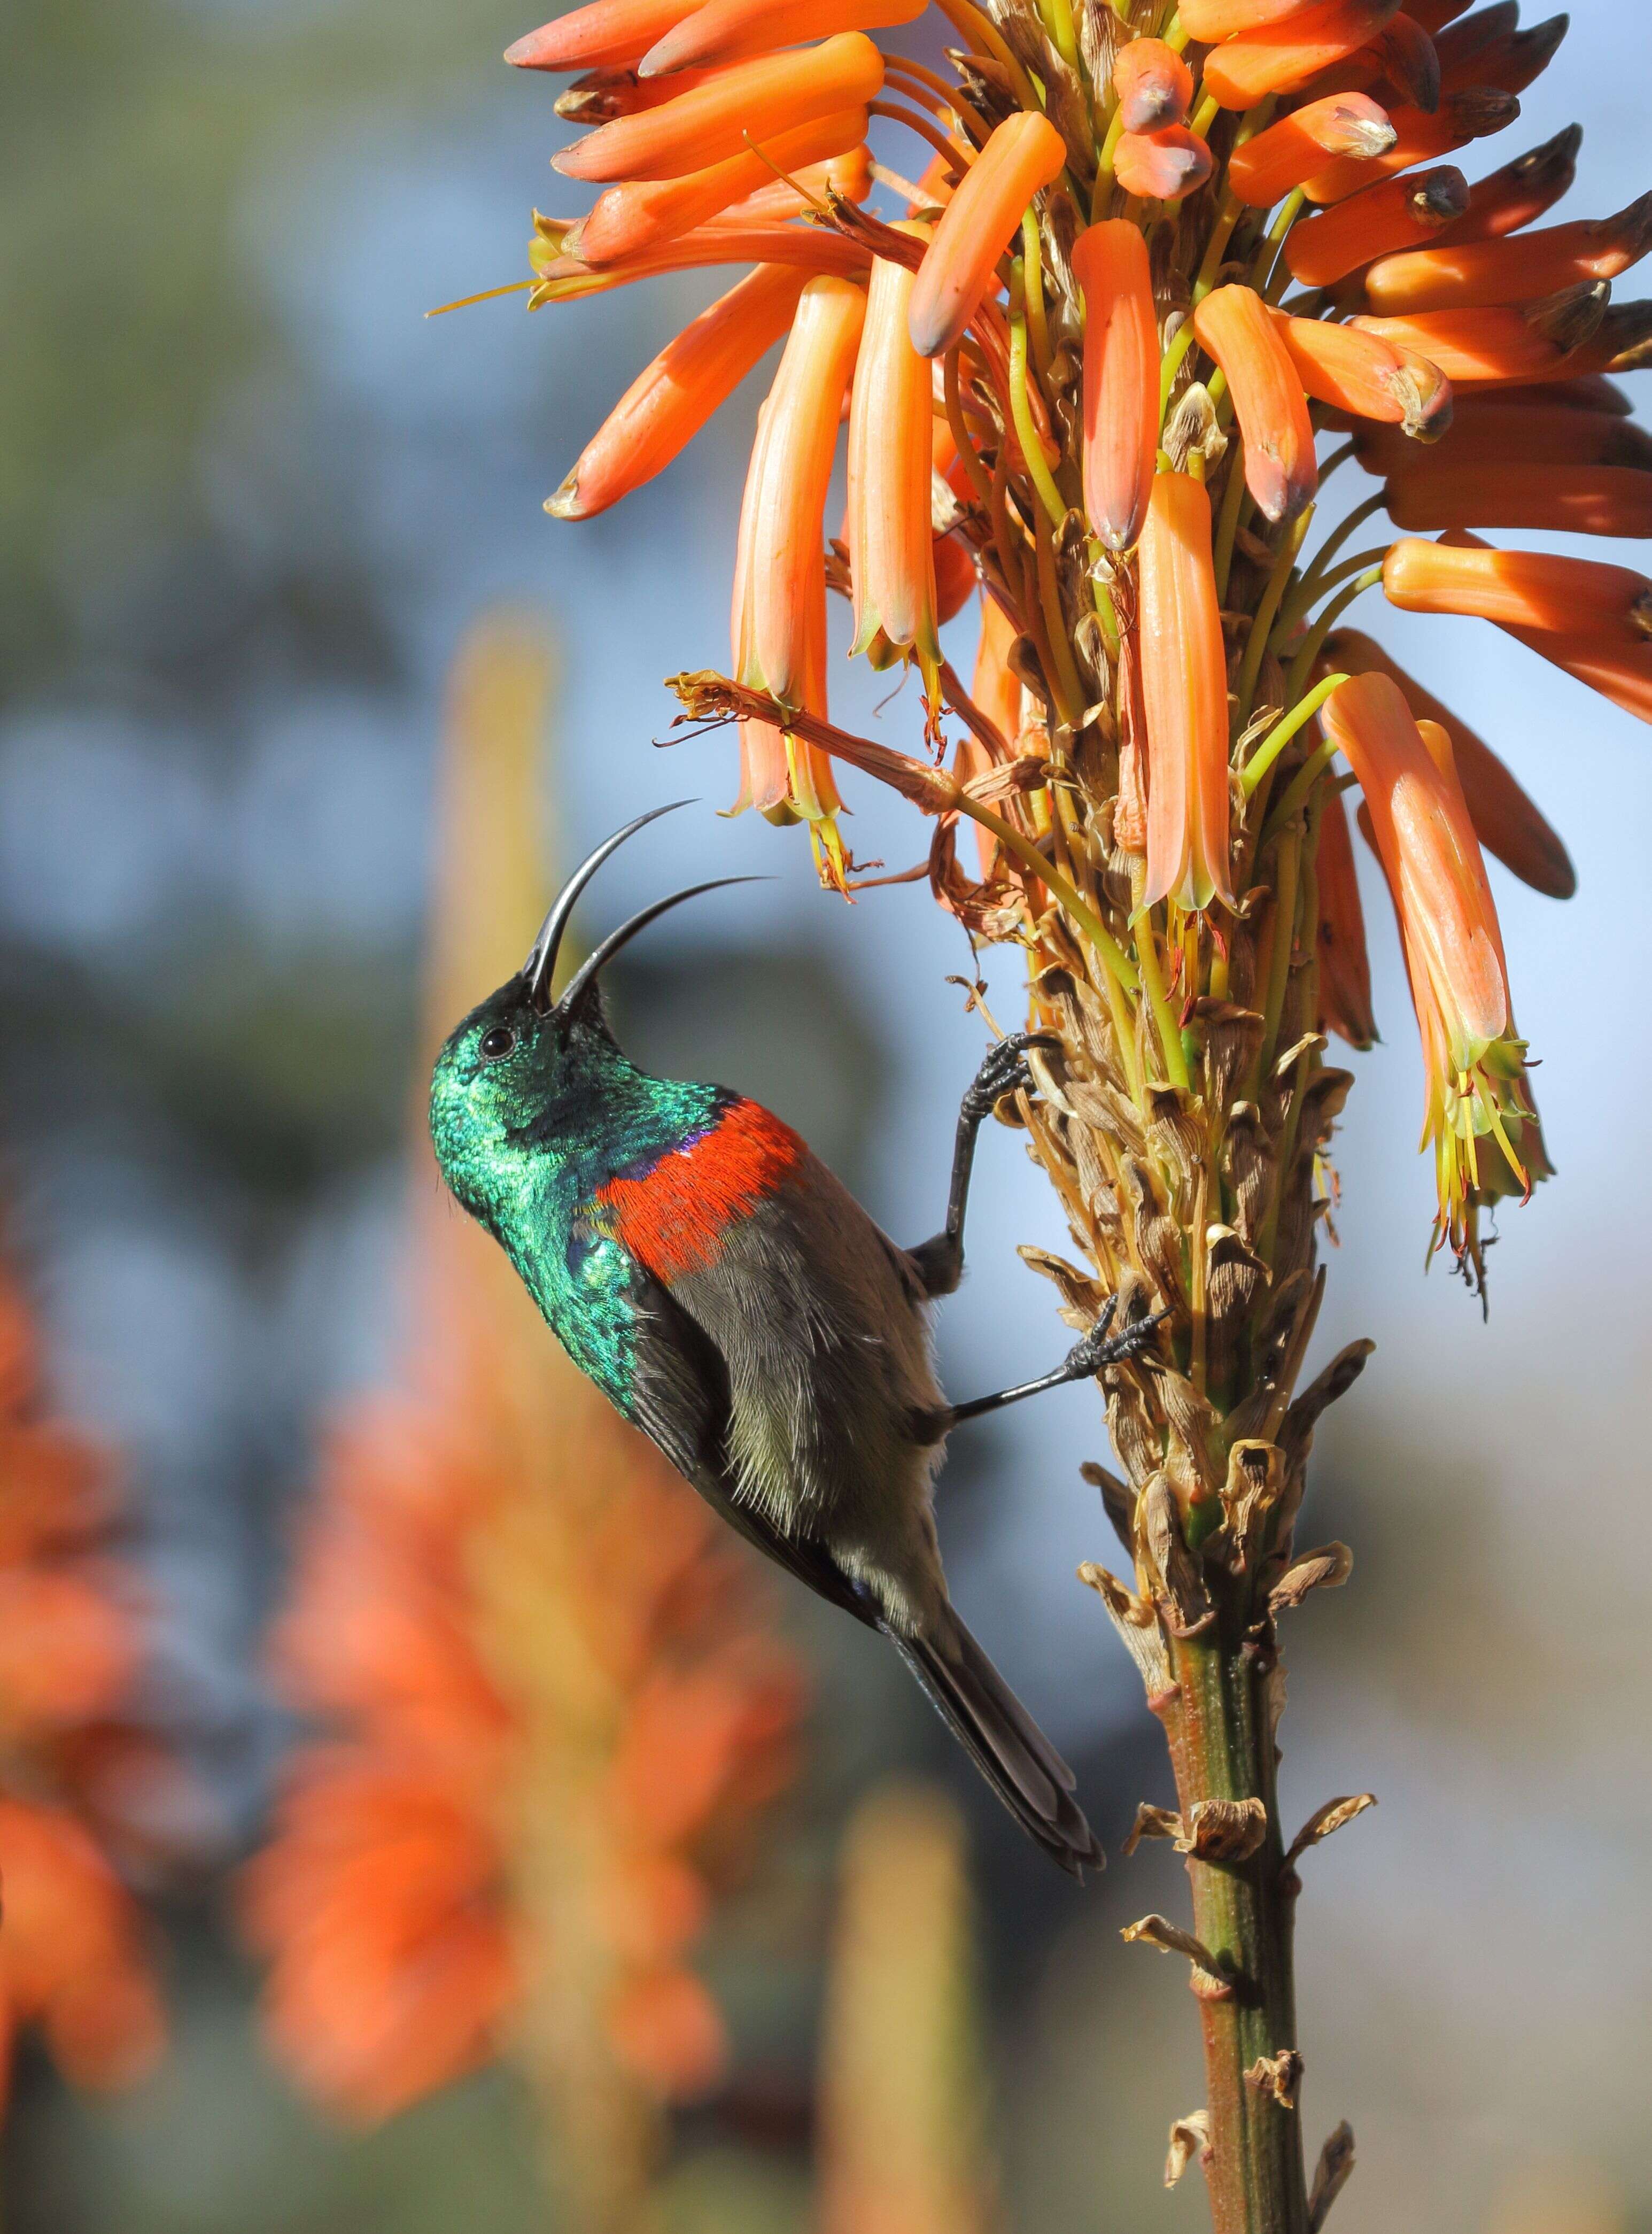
{"x":525,"y":1072}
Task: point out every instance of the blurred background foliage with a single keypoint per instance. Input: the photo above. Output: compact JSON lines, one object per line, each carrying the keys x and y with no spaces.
{"x":249,"y":506}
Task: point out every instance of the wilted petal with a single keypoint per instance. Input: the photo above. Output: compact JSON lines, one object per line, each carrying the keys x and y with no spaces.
{"x":960,"y":264}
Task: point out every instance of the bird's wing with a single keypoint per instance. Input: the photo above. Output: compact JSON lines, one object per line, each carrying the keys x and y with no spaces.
{"x":679,"y":1397}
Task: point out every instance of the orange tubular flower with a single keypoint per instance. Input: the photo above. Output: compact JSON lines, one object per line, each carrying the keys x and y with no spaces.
{"x":1183,"y":676}
{"x":960,"y":264}
{"x":1512,"y":493}
{"x":1510,"y":60}
{"x":1344,"y":963}
{"x":729,"y":30}
{"x":1401,"y":59}
{"x":1352,"y":372}
{"x":1395,"y":214}
{"x":1283,"y":56}
{"x":566,"y":278}
{"x":1211,"y":21}
{"x":1476,"y":1106}
{"x":1120,"y":379}
{"x":890,"y":547}
{"x":1620,"y":670}
{"x":1161,"y":166}
{"x":1506,"y":821}
{"x":1262,"y":171}
{"x":1521,"y":590}
{"x":607,"y":34}
{"x":1238,"y":329}
{"x":1517,"y":268}
{"x":849,"y":174}
{"x":1420,"y":137}
{"x":1505,"y":343}
{"x":1489,"y":430}
{"x":1522,"y":190}
{"x":753,"y":101}
{"x":666,"y":406}
{"x":643,"y":213}
{"x":601,"y":96}
{"x":777,"y":622}
{"x":1153,"y":84}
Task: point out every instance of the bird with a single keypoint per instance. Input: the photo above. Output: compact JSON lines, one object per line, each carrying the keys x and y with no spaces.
{"x":733,"y":1300}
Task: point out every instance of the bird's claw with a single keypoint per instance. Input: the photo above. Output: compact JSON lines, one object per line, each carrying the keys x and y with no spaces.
{"x":1102,"y":1347}
{"x":1003,"y":1071}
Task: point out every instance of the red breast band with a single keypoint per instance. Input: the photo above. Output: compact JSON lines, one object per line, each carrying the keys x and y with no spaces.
{"x":673,"y":1218}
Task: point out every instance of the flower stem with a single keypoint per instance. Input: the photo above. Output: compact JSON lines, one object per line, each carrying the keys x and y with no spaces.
{"x":1221,"y":1744}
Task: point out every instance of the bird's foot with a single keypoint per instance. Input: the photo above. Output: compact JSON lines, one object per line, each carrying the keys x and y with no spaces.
{"x":1102,"y":1347}
{"x":1004,"y":1071}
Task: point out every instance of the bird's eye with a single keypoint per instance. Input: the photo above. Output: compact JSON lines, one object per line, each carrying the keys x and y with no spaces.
{"x":498,"y":1043}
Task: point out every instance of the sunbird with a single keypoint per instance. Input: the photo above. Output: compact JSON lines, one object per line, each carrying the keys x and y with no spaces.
{"x":735,"y":1303}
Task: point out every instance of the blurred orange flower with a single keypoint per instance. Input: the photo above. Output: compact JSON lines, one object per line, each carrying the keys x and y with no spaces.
{"x":73,"y":1960}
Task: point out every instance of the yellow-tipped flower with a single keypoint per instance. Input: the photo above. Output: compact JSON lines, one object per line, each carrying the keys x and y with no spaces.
{"x":1476,"y":1107}
{"x":1239,"y":330}
{"x":1506,"y":821}
{"x":777,"y":618}
{"x":666,"y":406}
{"x":1183,"y":681}
{"x":960,"y":264}
{"x":1120,"y":379}
{"x":891,"y":554}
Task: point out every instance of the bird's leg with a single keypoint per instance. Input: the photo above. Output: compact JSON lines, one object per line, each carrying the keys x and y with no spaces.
{"x":1099,"y":1348}
{"x":940,"y":1259}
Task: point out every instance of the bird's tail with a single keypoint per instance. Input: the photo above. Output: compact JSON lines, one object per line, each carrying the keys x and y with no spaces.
{"x":1006,"y":1745}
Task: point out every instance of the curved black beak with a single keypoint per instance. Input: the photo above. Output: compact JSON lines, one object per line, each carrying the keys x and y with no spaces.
{"x":585,"y":976}
{"x":540,"y":967}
